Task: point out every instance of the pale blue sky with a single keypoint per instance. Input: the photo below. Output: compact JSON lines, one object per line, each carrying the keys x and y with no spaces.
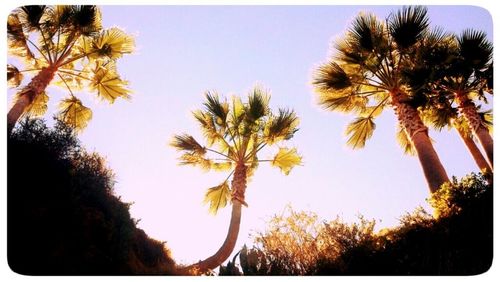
{"x":183,"y":51}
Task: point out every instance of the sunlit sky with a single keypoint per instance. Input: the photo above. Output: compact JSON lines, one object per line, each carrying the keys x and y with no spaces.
{"x":182,"y":51}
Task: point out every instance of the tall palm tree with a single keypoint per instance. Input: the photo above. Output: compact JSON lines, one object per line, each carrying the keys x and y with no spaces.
{"x":469,"y":77}
{"x":65,"y":46}
{"x":235,"y":133}
{"x":367,"y":74}
{"x":443,"y":115}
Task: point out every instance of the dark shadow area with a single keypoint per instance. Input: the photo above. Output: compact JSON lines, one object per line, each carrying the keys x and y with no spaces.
{"x":63,"y":218}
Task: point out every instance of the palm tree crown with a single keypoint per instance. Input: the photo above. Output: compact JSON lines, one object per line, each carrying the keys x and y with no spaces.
{"x":235,"y":132}
{"x":66,"y":45}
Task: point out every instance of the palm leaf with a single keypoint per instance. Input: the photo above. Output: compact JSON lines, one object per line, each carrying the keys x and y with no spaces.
{"x":38,"y":106}
{"x":31,"y":15}
{"x":112,"y":43}
{"x":187,"y":142}
{"x":360,"y":130}
{"x":475,"y":49}
{"x":17,"y":43}
{"x":107,"y":83}
{"x":217,"y":197}
{"x":86,"y":19}
{"x":216,"y":108}
{"x":286,"y":159}
{"x":344,"y":101}
{"x":487,"y":120}
{"x":258,"y":104}
{"x":281,"y":127}
{"x":405,"y":142}
{"x":14,"y":76}
{"x":330,"y":77}
{"x":74,"y":114}
{"x":408,"y":25}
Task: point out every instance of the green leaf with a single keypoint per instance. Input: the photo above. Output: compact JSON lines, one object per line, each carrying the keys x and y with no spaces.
{"x":217,"y":197}
{"x":360,"y":130}
{"x":286,"y":159}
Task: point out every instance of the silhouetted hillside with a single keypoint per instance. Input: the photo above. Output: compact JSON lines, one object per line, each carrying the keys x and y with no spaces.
{"x":62,"y":215}
{"x":457,"y":240}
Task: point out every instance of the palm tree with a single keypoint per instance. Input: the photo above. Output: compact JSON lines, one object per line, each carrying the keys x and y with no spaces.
{"x":442,"y":114}
{"x":65,"y":46}
{"x":235,"y":133}
{"x":469,"y":77}
{"x":367,"y":74}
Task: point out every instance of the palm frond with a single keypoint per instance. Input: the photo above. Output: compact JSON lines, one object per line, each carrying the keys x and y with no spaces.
{"x":364,"y":36}
{"x":187,"y":142}
{"x":216,"y":108}
{"x":217,"y":197}
{"x":30,"y":16}
{"x":38,"y":106}
{"x":14,"y":76}
{"x":408,"y":25}
{"x":405,"y":142}
{"x":258,"y":104}
{"x":487,"y":119}
{"x":86,"y":19}
{"x":17,"y":40}
{"x":475,"y":49}
{"x":108,"y":84}
{"x":112,"y":43}
{"x":359,"y":131}
{"x":73,"y":113}
{"x":281,"y":127}
{"x":286,"y":159}
{"x":343,"y":101}
{"x":330,"y":77}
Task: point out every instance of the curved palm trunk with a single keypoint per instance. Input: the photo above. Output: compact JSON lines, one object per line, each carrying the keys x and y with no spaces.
{"x":238,"y":199}
{"x":409,"y":118}
{"x":475,"y":152}
{"x":26,"y":96}
{"x":468,"y":110}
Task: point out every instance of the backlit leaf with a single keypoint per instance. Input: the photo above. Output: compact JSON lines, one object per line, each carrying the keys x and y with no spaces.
{"x":360,"y":130}
{"x":286,"y":159}
{"x":14,"y":76}
{"x":107,"y":83}
{"x":38,"y":106}
{"x":405,"y":142}
{"x":217,"y":197}
{"x":74,"y":114}
{"x":112,"y":43}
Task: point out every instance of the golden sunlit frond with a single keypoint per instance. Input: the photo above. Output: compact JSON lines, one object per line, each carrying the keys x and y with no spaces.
{"x":217,"y":197}
{"x":108,"y":84}
{"x":405,"y":142}
{"x":286,"y":159}
{"x":112,"y":43}
{"x":359,"y":130}
{"x":14,"y":76}
{"x":187,"y":142}
{"x":74,"y":114}
{"x":38,"y":106}
{"x":281,"y":127}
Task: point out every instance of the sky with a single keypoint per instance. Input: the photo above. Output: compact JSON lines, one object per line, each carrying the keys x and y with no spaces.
{"x":183,"y":51}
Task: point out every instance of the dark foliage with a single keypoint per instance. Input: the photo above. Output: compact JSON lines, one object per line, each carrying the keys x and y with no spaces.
{"x":63,"y":218}
{"x":457,"y":240}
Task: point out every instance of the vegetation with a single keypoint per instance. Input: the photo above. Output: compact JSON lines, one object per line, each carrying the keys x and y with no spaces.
{"x":238,"y":131}
{"x":65,"y":46}
{"x":456,"y":240}
{"x":63,"y":218}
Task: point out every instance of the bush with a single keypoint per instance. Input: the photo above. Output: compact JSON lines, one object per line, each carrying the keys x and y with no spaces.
{"x":457,"y":240}
{"x":63,"y":218}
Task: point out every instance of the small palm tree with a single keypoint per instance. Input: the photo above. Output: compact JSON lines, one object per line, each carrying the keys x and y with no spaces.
{"x":65,"y":46}
{"x":235,"y":133}
{"x":468,"y":77}
{"x":368,"y":74}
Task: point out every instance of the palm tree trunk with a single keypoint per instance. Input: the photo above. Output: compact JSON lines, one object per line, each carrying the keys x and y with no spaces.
{"x":474,"y":151}
{"x":238,"y":199}
{"x":468,"y":110}
{"x":409,"y":118}
{"x":27,"y":95}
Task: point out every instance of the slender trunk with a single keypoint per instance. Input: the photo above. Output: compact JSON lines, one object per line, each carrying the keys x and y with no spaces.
{"x":468,"y":110}
{"x":475,"y":152}
{"x":27,"y":95}
{"x":238,"y":199}
{"x":409,"y":118}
